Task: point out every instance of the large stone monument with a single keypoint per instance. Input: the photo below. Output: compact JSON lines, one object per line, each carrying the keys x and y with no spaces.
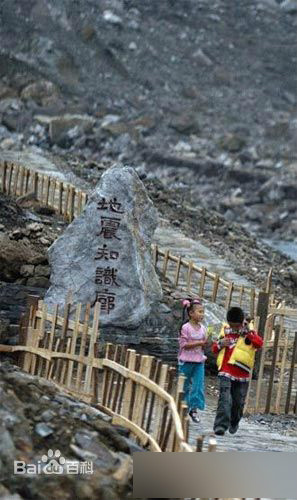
{"x":105,"y":254}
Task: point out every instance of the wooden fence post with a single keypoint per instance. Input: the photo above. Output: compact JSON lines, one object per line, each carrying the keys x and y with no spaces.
{"x":60,"y":197}
{"x":215,"y":288}
{"x":177,"y":272}
{"x":16,"y":179}
{"x":269,"y":281}
{"x":156,"y":432}
{"x":79,"y":199}
{"x":4,"y":177}
{"x":252,"y":302}
{"x":262,"y":361}
{"x":9,"y":184}
{"x":273,"y":365}
{"x":189,"y":276}
{"x":128,"y":385}
{"x":262,"y":312}
{"x":31,"y":307}
{"x":35,"y":184}
{"x":165,"y":263}
{"x":22,"y":172}
{"x":229,"y":295}
{"x":281,"y":375}
{"x":71,"y":203}
{"x":291,"y":376}
{"x":202,"y":282}
{"x":145,"y":369}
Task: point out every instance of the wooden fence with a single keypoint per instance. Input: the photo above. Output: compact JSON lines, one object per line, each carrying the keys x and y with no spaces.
{"x":193,"y":280}
{"x":278,"y":357}
{"x":68,"y":201}
{"x":275,"y":390}
{"x":138,"y":391}
{"x":64,"y":198}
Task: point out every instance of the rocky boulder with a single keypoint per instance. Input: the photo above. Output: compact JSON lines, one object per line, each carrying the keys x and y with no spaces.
{"x":38,"y":424}
{"x":289,"y":6}
{"x":186,"y":123}
{"x":42,"y":91}
{"x":105,"y":253}
{"x":66,"y":127}
{"x":13,"y":255}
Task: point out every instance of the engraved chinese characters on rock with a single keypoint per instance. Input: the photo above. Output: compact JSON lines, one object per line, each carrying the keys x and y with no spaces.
{"x":106,"y":276}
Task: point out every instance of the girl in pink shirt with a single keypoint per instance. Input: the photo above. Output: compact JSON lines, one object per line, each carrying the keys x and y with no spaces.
{"x":191,"y":358}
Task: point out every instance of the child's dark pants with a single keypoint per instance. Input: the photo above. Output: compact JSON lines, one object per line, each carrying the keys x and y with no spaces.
{"x":231,"y":403}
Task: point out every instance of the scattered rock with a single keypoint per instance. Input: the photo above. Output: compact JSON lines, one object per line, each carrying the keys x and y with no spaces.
{"x":44,"y":241}
{"x":7,"y":92}
{"x":254,"y":213}
{"x":112,"y":18}
{"x":190,"y":92}
{"x":268,"y":4}
{"x":43,"y":430}
{"x":40,"y":91}
{"x":14,"y":254}
{"x":35,"y":227}
{"x":11,"y":121}
{"x":115,"y":126}
{"x":132,"y":46}
{"x":278,"y":130}
{"x":289,"y":97}
{"x":232,"y":201}
{"x":10,"y":103}
{"x":186,"y":124}
{"x":233,"y":143}
{"x":38,"y":282}
{"x":61,"y":126}
{"x":4,"y":133}
{"x":4,"y":327}
{"x":42,"y":270}
{"x":289,"y":6}
{"x":202,"y":58}
{"x":25,"y":398}
{"x":109,"y":119}
{"x":265,"y":163}
{"x":121,"y":144}
{"x":27,"y":270}
{"x":293,"y":273}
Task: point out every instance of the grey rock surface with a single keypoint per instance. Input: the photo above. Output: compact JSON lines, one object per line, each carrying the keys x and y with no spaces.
{"x":77,"y":432}
{"x":105,"y":253}
{"x":289,"y":6}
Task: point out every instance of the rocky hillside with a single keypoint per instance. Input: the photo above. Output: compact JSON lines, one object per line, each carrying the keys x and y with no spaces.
{"x":201,"y":94}
{"x":35,"y":418}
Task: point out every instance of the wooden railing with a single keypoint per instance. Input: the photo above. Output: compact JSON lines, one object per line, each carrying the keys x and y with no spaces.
{"x":138,"y":391}
{"x":275,"y":390}
{"x":277,"y":355}
{"x":142,"y":393}
{"x":194,"y":280}
{"x":64,"y":198}
{"x":69,"y":202}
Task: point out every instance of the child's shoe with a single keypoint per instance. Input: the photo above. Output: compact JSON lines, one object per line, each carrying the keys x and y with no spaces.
{"x":194,"y":415}
{"x":219,"y":431}
{"x":233,"y":429}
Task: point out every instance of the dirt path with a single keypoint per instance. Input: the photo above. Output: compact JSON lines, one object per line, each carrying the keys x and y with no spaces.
{"x":179,"y":244}
{"x":251,"y":436}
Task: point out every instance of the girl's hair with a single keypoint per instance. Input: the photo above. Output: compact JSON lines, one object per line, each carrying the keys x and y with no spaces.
{"x":188,"y":306}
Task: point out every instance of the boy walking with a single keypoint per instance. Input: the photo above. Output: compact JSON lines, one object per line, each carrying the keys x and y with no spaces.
{"x":236,"y":349}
